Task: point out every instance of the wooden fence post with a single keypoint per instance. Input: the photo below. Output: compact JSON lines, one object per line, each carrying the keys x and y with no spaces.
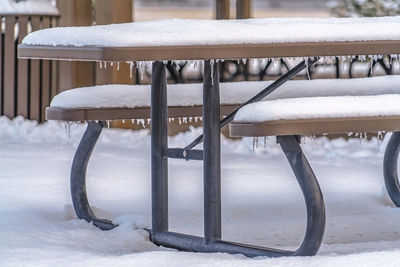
{"x":243,"y":9}
{"x":222,"y":9}
{"x":75,"y":74}
{"x":116,"y":11}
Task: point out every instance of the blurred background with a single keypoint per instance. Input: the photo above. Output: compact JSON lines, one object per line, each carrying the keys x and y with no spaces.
{"x":27,"y":86}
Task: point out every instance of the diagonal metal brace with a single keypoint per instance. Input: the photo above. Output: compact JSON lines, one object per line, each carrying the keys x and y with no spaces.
{"x":272,"y":87}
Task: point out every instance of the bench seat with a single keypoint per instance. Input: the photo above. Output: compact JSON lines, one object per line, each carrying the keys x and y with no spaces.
{"x":318,"y":115}
{"x":109,"y":102}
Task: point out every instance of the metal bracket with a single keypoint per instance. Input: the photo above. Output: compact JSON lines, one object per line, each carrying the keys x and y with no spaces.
{"x":180,"y":153}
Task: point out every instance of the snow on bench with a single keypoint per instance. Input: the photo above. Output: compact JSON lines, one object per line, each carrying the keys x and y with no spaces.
{"x":319,"y":115}
{"x":109,"y":102}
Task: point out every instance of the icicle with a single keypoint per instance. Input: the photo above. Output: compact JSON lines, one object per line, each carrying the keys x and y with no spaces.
{"x":324,"y":63}
{"x":105,"y":65}
{"x":195,"y":119}
{"x":101,"y":65}
{"x":112,"y":63}
{"x":142,"y":69}
{"x":142,"y":122}
{"x":173,"y":119}
{"x":148,"y":65}
{"x":169,"y":120}
{"x":133,"y":121}
{"x":274,"y":64}
{"x":67,"y":126}
{"x":349,"y":134}
{"x":131,"y":69}
{"x":180,"y":121}
{"x":117,"y":65}
{"x":108,"y":123}
{"x":184,"y":119}
{"x":148,"y":121}
{"x":177,"y":67}
{"x":244,"y":61}
{"x":212,"y":72}
{"x":123,"y":121}
{"x":265,"y":142}
{"x":190,"y":119}
{"x":372,"y":65}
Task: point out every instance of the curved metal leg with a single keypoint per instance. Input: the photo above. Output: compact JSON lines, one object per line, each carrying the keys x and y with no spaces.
{"x":390,"y":168}
{"x":312,"y":195}
{"x":315,"y":216}
{"x":78,"y":176}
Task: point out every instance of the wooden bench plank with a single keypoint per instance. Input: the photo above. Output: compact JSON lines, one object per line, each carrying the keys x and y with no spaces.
{"x":90,"y":114}
{"x":315,"y":126}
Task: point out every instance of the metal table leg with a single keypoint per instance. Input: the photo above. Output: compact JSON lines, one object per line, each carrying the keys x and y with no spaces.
{"x":159,"y":146}
{"x":211,"y":153}
{"x":390,"y":168}
{"x":78,"y":176}
{"x":212,"y":242}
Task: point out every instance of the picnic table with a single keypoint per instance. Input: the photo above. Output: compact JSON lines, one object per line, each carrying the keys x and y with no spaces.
{"x":213,"y":41}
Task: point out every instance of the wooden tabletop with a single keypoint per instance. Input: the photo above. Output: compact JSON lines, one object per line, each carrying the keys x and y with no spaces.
{"x":199,"y":52}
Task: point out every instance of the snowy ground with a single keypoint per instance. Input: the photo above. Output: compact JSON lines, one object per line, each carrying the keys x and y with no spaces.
{"x":262,"y":203}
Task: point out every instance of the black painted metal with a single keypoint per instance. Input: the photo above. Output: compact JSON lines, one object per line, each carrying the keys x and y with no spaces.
{"x":315,"y":216}
{"x":311,"y":192}
{"x":159,"y":146}
{"x":78,"y":176}
{"x":212,"y":153}
{"x":272,"y":87}
{"x":180,"y":153}
{"x":211,"y":156}
{"x":390,"y":168}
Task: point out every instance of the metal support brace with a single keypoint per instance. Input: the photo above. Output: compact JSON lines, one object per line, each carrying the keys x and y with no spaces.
{"x":262,"y":94}
{"x":159,"y":147}
{"x":78,"y":176}
{"x":315,"y":217}
{"x":390,"y":168}
{"x":211,"y":152}
{"x":211,"y":242}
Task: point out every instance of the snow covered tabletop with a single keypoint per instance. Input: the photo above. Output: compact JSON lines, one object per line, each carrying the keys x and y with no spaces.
{"x":217,"y":39}
{"x":131,"y":96}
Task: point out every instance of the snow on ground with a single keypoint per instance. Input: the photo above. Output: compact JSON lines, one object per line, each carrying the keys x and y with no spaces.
{"x":262,"y":203}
